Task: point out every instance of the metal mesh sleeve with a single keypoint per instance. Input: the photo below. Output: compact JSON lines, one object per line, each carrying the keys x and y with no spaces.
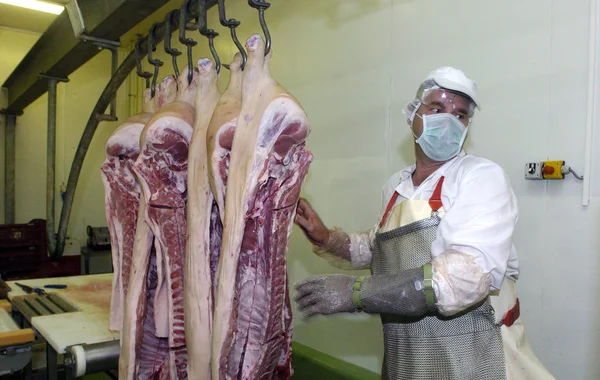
{"x":399,"y":294}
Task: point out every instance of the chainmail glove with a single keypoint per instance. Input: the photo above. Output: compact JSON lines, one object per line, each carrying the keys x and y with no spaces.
{"x":325,"y":295}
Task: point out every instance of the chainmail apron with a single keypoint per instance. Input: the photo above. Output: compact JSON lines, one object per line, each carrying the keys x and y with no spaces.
{"x":463,"y":347}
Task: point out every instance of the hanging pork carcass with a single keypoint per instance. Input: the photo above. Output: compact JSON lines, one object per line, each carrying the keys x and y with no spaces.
{"x":198,"y":295}
{"x":162,"y":169}
{"x":252,"y":330}
{"x":122,"y":198}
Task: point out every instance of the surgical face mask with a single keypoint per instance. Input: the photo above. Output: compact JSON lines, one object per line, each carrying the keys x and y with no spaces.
{"x":443,"y":136}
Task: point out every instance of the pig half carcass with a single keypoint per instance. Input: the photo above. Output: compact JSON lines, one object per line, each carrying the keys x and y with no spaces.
{"x":198,"y":294}
{"x":122,"y":199}
{"x":252,"y":330}
{"x":162,"y":169}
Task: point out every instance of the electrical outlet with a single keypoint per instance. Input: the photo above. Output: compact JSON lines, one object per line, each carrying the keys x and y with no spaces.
{"x":533,"y":170}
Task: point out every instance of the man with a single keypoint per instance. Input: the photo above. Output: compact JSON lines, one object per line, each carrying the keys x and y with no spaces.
{"x":442,"y":258}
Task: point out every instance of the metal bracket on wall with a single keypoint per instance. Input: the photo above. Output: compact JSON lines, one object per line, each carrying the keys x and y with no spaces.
{"x":49,"y":77}
{"x":4,"y":111}
{"x":112,"y":46}
{"x":51,"y":159}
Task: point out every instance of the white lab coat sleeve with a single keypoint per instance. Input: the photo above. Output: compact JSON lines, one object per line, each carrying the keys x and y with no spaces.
{"x":480,"y":221}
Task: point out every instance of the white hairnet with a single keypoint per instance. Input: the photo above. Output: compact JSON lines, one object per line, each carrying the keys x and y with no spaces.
{"x":443,"y":78}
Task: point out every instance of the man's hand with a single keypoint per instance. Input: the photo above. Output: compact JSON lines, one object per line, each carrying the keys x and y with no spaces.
{"x":308,"y":220}
{"x":325,"y":295}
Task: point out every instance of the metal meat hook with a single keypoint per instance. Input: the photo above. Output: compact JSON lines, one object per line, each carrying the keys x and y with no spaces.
{"x":174,"y":53}
{"x":183,"y":19}
{"x":231,"y":24}
{"x":154,"y":62}
{"x":138,"y":61}
{"x":208,"y":33}
{"x":261,"y":6}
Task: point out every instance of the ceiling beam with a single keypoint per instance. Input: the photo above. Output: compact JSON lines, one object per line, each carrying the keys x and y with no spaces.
{"x":59,"y":52}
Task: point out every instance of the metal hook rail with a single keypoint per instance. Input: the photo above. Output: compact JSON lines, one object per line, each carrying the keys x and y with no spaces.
{"x":188,"y":42}
{"x":129,"y":64}
{"x":174,"y":53}
{"x":112,"y":47}
{"x":208,"y":33}
{"x":261,"y":6}
{"x":154,"y":62}
{"x":231,"y":24}
{"x":138,"y":63}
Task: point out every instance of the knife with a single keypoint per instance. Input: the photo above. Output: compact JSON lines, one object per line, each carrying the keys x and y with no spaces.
{"x":29,"y":289}
{"x":55,"y":286}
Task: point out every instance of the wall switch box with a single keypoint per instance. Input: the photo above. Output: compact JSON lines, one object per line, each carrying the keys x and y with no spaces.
{"x":533,"y":170}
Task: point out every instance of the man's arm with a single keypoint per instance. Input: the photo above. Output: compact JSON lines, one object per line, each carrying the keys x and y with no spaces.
{"x":474,"y":239}
{"x":347,"y":251}
{"x":342,"y":250}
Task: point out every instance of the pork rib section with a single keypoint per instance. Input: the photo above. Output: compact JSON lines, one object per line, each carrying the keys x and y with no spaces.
{"x":166,"y":95}
{"x":138,"y":335}
{"x":139,"y":330}
{"x":198,"y":298}
{"x":252,"y":320}
{"x":162,"y":169}
{"x":122,"y":197}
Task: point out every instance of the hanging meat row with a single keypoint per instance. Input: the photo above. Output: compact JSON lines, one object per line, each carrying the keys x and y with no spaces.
{"x":201,"y":193}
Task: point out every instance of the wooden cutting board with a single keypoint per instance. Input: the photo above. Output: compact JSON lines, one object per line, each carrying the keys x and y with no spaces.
{"x":88,"y":293}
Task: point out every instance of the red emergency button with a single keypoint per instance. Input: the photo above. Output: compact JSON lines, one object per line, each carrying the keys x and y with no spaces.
{"x":548,"y":170}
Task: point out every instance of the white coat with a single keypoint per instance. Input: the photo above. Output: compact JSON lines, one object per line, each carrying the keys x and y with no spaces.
{"x":479,"y":218}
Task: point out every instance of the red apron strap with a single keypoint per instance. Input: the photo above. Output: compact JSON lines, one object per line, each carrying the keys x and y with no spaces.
{"x":435,"y":202}
{"x":512,"y":315}
{"x":390,"y":204}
